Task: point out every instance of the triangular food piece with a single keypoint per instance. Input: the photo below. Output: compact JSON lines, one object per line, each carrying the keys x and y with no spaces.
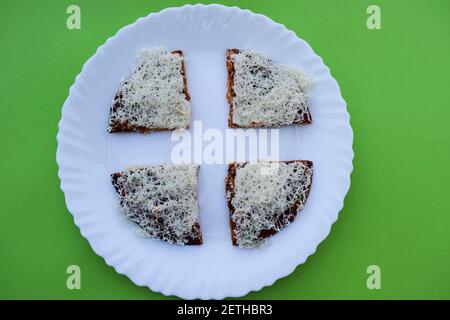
{"x":265,"y":197}
{"x":161,"y":200}
{"x":262,"y":93}
{"x":154,"y":96}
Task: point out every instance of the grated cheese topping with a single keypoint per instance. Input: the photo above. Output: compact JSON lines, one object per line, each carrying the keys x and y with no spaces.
{"x":161,"y":200}
{"x":267,"y":94}
{"x":261,"y":200}
{"x":153,"y":95}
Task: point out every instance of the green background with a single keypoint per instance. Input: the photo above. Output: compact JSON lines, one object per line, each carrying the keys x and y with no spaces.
{"x":395,"y":81}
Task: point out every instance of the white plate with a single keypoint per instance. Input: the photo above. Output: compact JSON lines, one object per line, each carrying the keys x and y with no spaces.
{"x":87,"y":154}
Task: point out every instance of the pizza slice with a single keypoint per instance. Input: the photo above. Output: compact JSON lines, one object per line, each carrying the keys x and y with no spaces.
{"x":265,"y":197}
{"x":154,"y":97}
{"x":161,"y":200}
{"x":262,"y":93}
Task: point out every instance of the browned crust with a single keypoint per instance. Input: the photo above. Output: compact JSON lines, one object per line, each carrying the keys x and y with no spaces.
{"x":290,"y":213}
{"x":229,"y":189}
{"x":121,"y":193}
{"x":231,"y":94}
{"x":125,"y":126}
{"x":230,"y":86}
{"x":183,"y":73}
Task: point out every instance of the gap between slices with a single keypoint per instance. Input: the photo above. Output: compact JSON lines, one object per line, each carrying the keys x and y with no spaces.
{"x":161,"y":201}
{"x":154,"y":96}
{"x":265,"y":197}
{"x":262,"y":93}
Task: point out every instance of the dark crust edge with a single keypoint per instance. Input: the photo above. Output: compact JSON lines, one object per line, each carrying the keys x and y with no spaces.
{"x":198,"y":240}
{"x":124,"y":126}
{"x":230,"y":86}
{"x":291,"y":212}
{"x":231,"y":93}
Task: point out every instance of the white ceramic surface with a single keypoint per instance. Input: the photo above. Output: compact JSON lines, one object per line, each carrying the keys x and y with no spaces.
{"x":87,"y":154}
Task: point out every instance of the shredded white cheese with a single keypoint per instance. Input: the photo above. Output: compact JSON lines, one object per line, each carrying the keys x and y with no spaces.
{"x":267,"y":94}
{"x":152,"y":96}
{"x":161,"y":200}
{"x":260,"y":200}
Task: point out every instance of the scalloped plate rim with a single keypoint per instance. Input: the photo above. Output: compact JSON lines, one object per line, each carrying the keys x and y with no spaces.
{"x":98,"y":251}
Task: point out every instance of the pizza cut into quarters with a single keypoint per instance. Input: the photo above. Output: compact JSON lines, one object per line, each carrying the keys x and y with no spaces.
{"x":161,"y":201}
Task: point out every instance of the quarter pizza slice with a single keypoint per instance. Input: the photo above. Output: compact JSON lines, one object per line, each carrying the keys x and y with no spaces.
{"x":161,"y":201}
{"x":262,"y":93}
{"x":265,"y":197}
{"x":154,"y":96}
